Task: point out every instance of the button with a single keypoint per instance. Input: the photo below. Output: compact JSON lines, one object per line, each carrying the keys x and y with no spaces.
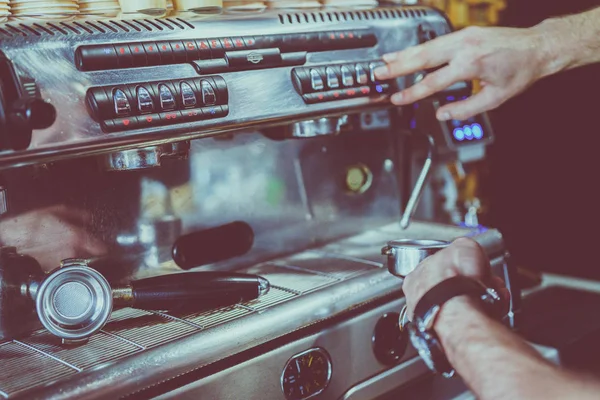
{"x":139,"y":55}
{"x":148,"y":121}
{"x":364,"y":38}
{"x":166,"y":53}
{"x":361,"y":75}
{"x":191,"y":49}
{"x":179,"y":51}
{"x":122,"y":124}
{"x":207,"y":67}
{"x":216,"y":48}
{"x":97,"y":57}
{"x":238,"y":43}
{"x":222,"y":91}
{"x":152,"y":53}
{"x":312,"y":98}
{"x":188,"y":97}
{"x":350,"y":93}
{"x":333,"y":82}
{"x":167,"y":100}
{"x":372,"y":67}
{"x":316,"y":82}
{"x":254,"y":58}
{"x":215,"y":112}
{"x":193,"y":114}
{"x":203,"y":49}
{"x":249,"y":42}
{"x":382,"y":88}
{"x":290,"y":59}
{"x":144,"y":100}
{"x":209,"y":97}
{"x":170,"y":117}
{"x":108,"y":126}
{"x":121,"y":102}
{"x":124,"y":56}
{"x":227,"y":44}
{"x":363,"y":91}
{"x":347,"y":78}
{"x":301,"y":80}
{"x":100,"y":104}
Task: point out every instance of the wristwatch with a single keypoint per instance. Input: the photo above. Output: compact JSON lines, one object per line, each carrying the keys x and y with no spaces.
{"x":421,"y":329}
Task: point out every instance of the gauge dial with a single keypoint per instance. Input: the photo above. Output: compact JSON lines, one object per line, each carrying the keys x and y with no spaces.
{"x":306,"y":374}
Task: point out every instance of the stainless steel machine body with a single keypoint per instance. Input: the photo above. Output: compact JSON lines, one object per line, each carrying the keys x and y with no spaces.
{"x":321,"y":183}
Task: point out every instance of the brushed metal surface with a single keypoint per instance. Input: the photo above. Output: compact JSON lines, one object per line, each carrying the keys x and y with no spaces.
{"x":160,"y":346}
{"x":49,"y":59}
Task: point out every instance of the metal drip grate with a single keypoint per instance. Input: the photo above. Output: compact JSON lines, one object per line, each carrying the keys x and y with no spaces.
{"x":292,"y":279}
{"x":23,"y":368}
{"x":147,"y":329}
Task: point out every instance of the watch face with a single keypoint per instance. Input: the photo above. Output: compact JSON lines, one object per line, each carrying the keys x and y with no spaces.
{"x":422,"y":347}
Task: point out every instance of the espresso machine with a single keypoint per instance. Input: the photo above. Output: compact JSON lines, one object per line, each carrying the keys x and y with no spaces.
{"x":136,"y":152}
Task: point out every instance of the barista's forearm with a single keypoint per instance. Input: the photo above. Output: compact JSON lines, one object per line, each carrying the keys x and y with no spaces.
{"x":497,"y":364}
{"x":571,"y":41}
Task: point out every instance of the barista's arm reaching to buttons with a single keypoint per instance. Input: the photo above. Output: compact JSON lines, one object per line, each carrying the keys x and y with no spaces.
{"x":493,"y":361}
{"x":505,"y":60}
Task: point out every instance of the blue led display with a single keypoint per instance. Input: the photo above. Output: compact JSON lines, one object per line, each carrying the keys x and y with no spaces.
{"x":379,"y":88}
{"x":468,"y":132}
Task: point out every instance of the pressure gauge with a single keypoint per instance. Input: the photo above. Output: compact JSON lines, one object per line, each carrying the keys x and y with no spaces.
{"x":306,"y":374}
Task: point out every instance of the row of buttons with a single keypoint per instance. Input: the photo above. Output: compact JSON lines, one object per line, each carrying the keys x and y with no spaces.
{"x":166,"y":118}
{"x":147,"y":98}
{"x":342,"y":94}
{"x":138,"y":54}
{"x":316,"y":79}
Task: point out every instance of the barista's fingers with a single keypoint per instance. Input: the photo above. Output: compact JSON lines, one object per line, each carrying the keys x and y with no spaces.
{"x":489,"y":98}
{"x":431,"y":84}
{"x":417,"y":58}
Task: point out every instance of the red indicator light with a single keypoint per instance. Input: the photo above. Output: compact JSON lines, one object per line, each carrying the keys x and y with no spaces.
{"x":177,"y":46}
{"x":151,"y":48}
{"x":250,"y":41}
{"x":136,"y":49}
{"x":203,"y":45}
{"x":331,"y":36}
{"x":164,"y":47}
{"x":365,"y":90}
{"x":351,"y":92}
{"x":321,"y":97}
{"x":149,"y":118}
{"x":336,"y":94}
{"x":125,"y":122}
{"x":351,"y":35}
{"x":122,"y":50}
{"x":191,"y":46}
{"x":213,"y":43}
{"x":239,"y":43}
{"x":341,"y":35}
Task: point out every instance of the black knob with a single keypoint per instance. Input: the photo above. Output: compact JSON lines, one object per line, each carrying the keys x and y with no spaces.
{"x":39,"y":114}
{"x":389,"y":341}
{"x":212,"y":245}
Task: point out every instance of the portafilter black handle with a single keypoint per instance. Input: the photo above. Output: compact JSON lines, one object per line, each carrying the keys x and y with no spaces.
{"x":195,"y":290}
{"x":212,"y":245}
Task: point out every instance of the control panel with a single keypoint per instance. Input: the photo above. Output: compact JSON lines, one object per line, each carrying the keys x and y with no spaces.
{"x":152,"y":104}
{"x":217,"y":55}
{"x":338,"y":82}
{"x":472,"y":130}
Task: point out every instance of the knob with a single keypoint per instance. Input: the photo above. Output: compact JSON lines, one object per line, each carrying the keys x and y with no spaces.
{"x":389,"y":339}
{"x":20,"y":111}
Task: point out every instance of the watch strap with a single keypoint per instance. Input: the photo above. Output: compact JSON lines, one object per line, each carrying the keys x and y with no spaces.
{"x":446,"y":290}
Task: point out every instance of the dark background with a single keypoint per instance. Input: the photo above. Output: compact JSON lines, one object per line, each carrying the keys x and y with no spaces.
{"x":545,"y":165}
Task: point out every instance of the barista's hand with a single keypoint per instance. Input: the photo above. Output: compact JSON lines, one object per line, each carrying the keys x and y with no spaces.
{"x":51,"y":235}
{"x":463,"y":257}
{"x":505,"y":61}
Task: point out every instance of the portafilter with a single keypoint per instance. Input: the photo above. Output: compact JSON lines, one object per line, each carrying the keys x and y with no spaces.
{"x":75,"y":301}
{"x":404,"y":255}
